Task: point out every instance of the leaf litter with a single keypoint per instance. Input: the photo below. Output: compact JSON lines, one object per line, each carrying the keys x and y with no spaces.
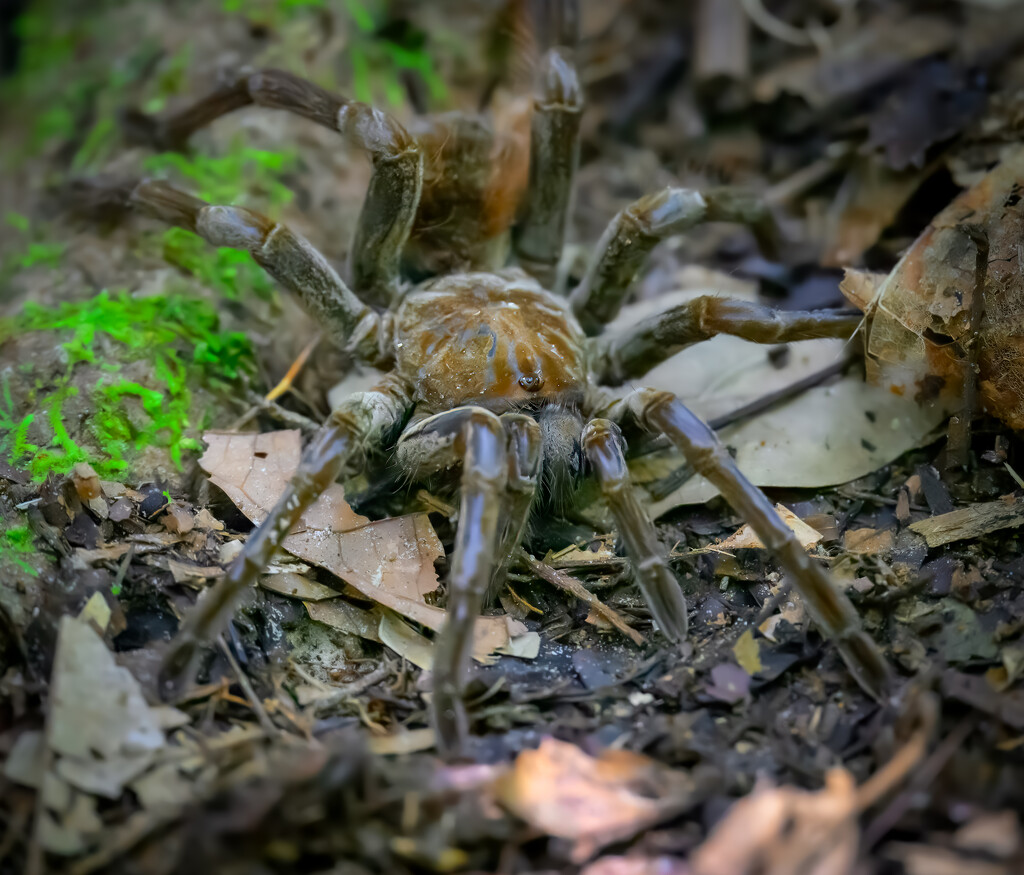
{"x":390,"y":561}
{"x":754,"y":696}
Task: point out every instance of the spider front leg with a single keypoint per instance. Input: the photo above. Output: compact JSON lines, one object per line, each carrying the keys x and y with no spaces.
{"x":478,"y":437}
{"x":602,"y":443}
{"x":394,"y":191}
{"x":828,"y":606}
{"x":363,"y":417}
{"x":554,"y":153}
{"x":637,"y":229}
{"x":637,"y":350}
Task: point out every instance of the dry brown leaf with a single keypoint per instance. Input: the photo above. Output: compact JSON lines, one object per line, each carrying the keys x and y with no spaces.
{"x":390,"y":561}
{"x":869,"y":542}
{"x":253,"y":470}
{"x":593,"y":802}
{"x":924,"y":307}
{"x":744,"y":537}
{"x":781,"y":830}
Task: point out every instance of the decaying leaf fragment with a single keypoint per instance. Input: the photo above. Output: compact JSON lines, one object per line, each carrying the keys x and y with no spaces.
{"x":390,"y":561}
{"x":101,"y":736}
{"x":920,"y":318}
{"x":593,"y":801}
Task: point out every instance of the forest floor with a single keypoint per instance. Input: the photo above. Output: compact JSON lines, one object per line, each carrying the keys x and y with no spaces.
{"x":137,"y":444}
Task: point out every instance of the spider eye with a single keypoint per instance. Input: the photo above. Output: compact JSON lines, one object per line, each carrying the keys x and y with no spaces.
{"x":531,"y":382}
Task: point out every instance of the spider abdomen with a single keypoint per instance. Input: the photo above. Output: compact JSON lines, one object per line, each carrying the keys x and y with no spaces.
{"x":498,"y":340}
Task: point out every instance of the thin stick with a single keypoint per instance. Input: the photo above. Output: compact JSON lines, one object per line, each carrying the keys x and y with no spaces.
{"x":286,"y":381}
{"x":266,"y":724}
{"x":351,"y":690}
{"x":571,"y":585}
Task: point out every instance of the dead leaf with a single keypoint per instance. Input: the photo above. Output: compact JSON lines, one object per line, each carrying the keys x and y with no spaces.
{"x":923,"y":309}
{"x":869,"y":542}
{"x":405,"y":741}
{"x":297,"y":586}
{"x":748,"y":653}
{"x":390,"y":561}
{"x":744,"y":537}
{"x":729,"y":683}
{"x":781,"y":830}
{"x":99,"y":724}
{"x":590,"y":801}
{"x":406,"y":641}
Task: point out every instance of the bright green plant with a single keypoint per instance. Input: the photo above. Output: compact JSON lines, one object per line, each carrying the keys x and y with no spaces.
{"x":15,"y":542}
{"x":224,"y":179}
{"x":180,"y":339}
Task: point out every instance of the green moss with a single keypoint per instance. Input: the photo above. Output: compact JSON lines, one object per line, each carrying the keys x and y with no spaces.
{"x":178,"y":337}
{"x":227,"y":178}
{"x":378,"y":55}
{"x":240,"y":175}
{"x":15,"y":542}
{"x":38,"y":251}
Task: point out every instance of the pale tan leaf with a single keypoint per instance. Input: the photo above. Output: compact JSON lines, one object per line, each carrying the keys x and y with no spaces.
{"x":390,"y":561}
{"x":253,"y":469}
{"x":406,"y":641}
{"x":405,"y":741}
{"x":590,"y":801}
{"x":748,"y":653}
{"x":744,"y":537}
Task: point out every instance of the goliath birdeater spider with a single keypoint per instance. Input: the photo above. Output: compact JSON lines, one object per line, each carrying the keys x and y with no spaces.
{"x":489,"y":366}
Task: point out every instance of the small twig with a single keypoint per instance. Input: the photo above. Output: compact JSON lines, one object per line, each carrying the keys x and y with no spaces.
{"x":926,"y":774}
{"x":250,"y":694}
{"x":286,"y":381}
{"x":340,"y":694}
{"x":261,"y":405}
{"x":571,"y":585}
{"x":906,"y":758}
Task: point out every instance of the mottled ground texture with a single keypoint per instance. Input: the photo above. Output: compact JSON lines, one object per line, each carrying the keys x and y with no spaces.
{"x":305,"y":744}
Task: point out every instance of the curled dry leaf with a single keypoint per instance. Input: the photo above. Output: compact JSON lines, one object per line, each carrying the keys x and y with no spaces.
{"x":590,"y":801}
{"x":390,"y":561}
{"x":920,"y":317}
{"x":780,"y":830}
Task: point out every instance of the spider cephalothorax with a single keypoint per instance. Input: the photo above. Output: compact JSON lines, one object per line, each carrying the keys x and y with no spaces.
{"x":491,"y":370}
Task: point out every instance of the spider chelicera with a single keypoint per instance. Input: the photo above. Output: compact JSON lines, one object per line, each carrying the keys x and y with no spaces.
{"x":489,"y":367}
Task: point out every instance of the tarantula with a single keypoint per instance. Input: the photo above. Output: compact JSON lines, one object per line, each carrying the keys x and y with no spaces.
{"x":489,"y":367}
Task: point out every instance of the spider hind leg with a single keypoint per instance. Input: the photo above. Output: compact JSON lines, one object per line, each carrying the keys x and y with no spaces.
{"x":828,"y":606}
{"x":603,"y":444}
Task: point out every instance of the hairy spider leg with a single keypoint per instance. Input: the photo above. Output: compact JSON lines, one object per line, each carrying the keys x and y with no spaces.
{"x":638,"y":228}
{"x":394,"y":190}
{"x":636,"y":350}
{"x":478,"y":438}
{"x":366,"y":416}
{"x":829,"y":607}
{"x":602,"y":442}
{"x":539,"y":236}
{"x":289,"y":258}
